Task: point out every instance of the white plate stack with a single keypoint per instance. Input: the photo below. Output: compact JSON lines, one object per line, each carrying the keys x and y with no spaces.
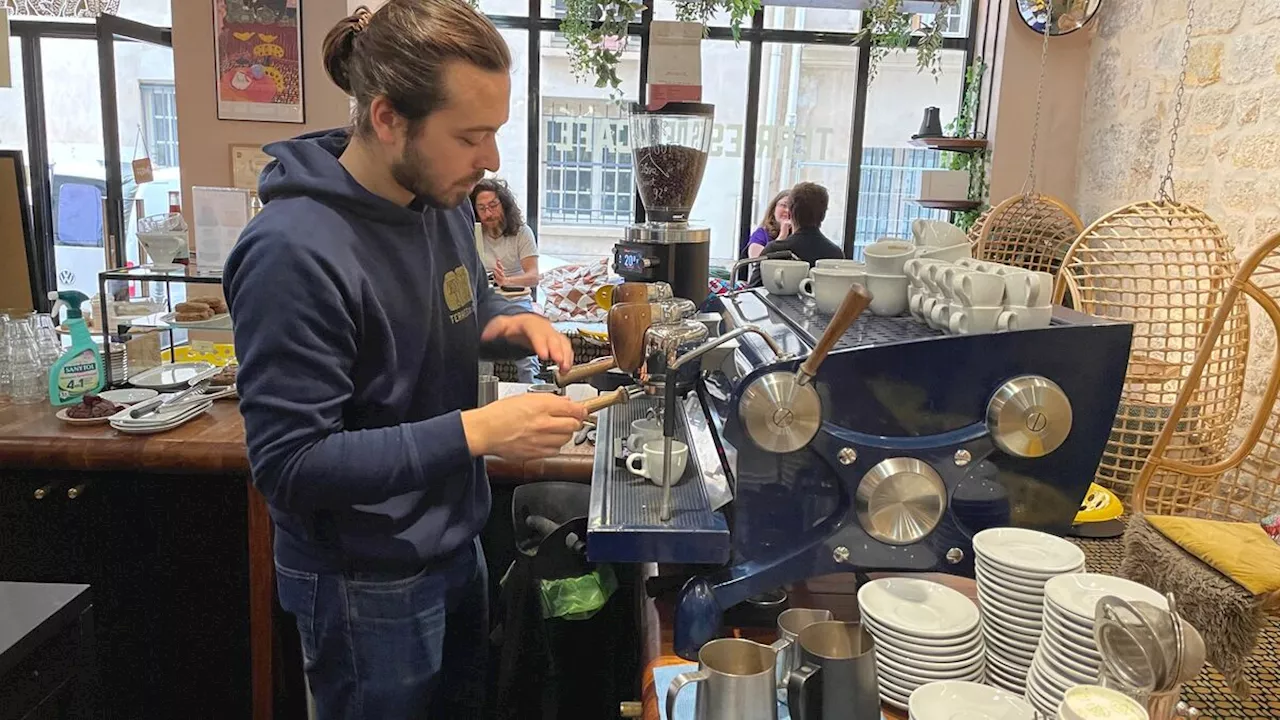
{"x":925,"y":632}
{"x":158,"y":422}
{"x":1067,"y":654}
{"x":1012,"y":567}
{"x":956,"y":699}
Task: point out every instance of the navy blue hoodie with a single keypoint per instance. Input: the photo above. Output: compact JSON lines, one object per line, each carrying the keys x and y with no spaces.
{"x":357,"y":325}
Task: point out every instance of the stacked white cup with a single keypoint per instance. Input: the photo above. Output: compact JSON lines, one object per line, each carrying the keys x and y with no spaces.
{"x":886,"y":277}
{"x":829,"y":282}
{"x":972,"y":297}
{"x":1028,"y":295}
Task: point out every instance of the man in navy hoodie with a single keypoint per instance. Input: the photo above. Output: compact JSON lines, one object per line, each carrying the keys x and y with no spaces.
{"x":360,"y":307}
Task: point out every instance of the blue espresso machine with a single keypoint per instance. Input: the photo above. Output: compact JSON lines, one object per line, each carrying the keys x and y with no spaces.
{"x":922,"y":440}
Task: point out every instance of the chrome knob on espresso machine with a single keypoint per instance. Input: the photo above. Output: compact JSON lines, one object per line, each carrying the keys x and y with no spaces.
{"x":781,"y":411}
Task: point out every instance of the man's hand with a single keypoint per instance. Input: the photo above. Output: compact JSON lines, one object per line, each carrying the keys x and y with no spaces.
{"x":499,"y":274}
{"x":525,"y":427}
{"x":533,"y":331}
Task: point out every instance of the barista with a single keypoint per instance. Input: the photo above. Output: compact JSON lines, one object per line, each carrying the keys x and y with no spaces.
{"x":360,"y":307}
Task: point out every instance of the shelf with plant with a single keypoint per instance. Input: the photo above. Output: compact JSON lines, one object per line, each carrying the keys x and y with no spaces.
{"x":975,"y":163}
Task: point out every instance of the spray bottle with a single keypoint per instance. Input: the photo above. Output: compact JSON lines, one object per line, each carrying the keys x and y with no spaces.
{"x":79,"y":371}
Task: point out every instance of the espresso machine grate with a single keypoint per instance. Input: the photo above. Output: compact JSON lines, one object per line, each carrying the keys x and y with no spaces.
{"x":627,"y":500}
{"x":867,"y":330}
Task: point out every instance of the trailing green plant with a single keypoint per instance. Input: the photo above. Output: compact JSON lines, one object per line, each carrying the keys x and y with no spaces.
{"x":888,"y":28}
{"x":595,"y":31}
{"x":975,"y":163}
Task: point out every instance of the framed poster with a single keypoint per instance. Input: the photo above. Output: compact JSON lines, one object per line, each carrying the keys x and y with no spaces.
{"x":258,"y":60}
{"x":247,"y":162}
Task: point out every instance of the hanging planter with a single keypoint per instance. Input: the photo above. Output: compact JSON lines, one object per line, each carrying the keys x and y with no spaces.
{"x":595,"y":31}
{"x":888,"y":26}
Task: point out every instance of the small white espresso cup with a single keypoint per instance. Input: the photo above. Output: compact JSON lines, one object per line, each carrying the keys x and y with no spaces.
{"x":648,"y":463}
{"x":1017,"y":317}
{"x":979,"y":289}
{"x":827,"y":287}
{"x":642,"y":431}
{"x":974,"y":320}
{"x":782,"y":277}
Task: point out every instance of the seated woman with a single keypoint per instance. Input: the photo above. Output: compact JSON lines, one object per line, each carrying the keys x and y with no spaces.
{"x":776,"y":225}
{"x":808,"y":210}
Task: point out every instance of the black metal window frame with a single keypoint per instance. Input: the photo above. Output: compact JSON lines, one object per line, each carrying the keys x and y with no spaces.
{"x":579,"y":170}
{"x":755,"y":38}
{"x":104,"y":30}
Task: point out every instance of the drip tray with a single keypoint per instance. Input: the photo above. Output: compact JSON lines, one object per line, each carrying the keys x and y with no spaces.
{"x":624,"y":523}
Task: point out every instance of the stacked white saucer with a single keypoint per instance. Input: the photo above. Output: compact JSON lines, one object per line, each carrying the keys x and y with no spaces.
{"x":1012,"y":566}
{"x":1068,"y":654}
{"x":925,"y":632}
{"x":957,"y":699}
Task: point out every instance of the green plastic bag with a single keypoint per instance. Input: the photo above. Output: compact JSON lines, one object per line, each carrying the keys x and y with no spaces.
{"x":577,"y":598}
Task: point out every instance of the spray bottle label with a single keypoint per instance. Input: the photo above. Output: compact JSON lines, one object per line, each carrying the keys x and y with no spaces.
{"x":77,"y":376}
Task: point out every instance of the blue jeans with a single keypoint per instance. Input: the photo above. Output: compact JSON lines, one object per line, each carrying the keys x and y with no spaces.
{"x":394,"y":648}
{"x":527,"y":368}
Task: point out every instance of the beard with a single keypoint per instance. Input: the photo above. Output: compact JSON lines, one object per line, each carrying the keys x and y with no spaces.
{"x":411,"y":173}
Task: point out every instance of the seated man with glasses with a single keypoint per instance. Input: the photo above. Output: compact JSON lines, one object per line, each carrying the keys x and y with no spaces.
{"x":508,"y":250}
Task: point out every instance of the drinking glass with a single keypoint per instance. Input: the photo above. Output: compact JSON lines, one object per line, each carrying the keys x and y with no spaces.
{"x":6,"y":376}
{"x":47,"y":338}
{"x":28,"y":370}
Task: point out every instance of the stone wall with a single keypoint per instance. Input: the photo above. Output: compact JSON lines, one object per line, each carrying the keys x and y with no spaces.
{"x":1228,"y":160}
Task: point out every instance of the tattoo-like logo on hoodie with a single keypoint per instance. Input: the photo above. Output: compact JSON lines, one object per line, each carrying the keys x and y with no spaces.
{"x":457,"y":294}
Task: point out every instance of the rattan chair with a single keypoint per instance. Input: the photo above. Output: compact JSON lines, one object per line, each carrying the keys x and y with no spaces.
{"x":1166,"y":268}
{"x":1031,"y":231}
{"x":1244,"y":485}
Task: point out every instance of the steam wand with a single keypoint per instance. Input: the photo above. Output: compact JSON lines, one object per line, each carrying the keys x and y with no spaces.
{"x":669,"y":399}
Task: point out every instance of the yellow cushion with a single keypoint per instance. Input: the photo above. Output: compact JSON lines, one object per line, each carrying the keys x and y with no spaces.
{"x":1241,"y":551}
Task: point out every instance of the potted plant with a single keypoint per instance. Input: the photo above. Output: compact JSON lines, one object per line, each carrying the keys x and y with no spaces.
{"x":889,"y":24}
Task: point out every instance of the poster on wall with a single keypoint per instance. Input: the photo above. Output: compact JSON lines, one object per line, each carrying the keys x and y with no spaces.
{"x":258,"y":49}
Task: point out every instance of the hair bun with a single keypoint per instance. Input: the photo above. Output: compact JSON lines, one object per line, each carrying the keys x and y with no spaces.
{"x":339,"y":46}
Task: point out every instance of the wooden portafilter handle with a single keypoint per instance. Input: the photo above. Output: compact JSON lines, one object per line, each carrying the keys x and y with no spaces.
{"x":853,"y":306}
{"x":582,"y":372}
{"x":608,"y":399}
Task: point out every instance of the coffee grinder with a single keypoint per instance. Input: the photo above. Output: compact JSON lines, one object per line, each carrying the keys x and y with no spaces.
{"x":669,"y":154}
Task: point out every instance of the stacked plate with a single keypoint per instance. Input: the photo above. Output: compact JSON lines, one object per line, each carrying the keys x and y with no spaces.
{"x":158,"y":422}
{"x":925,"y":632}
{"x":955,"y":699}
{"x":1067,"y":654}
{"x":1013,"y":565}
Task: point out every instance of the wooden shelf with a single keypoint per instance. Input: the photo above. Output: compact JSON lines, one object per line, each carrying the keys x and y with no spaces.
{"x":956,"y":205}
{"x":951,"y":144}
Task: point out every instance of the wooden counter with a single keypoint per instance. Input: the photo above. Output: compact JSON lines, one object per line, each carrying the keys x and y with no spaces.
{"x":213,"y":444}
{"x":36,"y":448}
{"x":837,"y":593}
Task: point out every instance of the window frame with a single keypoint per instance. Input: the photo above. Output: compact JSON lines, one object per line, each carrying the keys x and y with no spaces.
{"x":597,"y":163}
{"x":164,"y":153}
{"x":755,"y":36}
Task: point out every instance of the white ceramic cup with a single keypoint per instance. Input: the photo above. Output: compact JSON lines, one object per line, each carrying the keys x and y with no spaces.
{"x":648,"y":463}
{"x":974,"y":320}
{"x":936,"y":233}
{"x":915,"y":303}
{"x":827,"y":287}
{"x":950,"y":278}
{"x":940,"y":315}
{"x":887,"y":256}
{"x":842,"y":264}
{"x":782,"y":277}
{"x":888,"y":294}
{"x":972,"y":264}
{"x":1090,"y":702}
{"x":1027,"y":289}
{"x":927,"y":304}
{"x":979,"y":289}
{"x":1016,"y":317}
{"x":1041,"y":293}
{"x":642,"y":431}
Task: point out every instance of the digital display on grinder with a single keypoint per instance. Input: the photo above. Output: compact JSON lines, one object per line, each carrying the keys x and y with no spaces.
{"x":630,"y":260}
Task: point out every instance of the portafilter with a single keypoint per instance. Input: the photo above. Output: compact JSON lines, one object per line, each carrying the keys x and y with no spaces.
{"x":628,"y":323}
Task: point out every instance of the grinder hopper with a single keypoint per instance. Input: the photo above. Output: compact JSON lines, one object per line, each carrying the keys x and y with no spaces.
{"x":669,"y":146}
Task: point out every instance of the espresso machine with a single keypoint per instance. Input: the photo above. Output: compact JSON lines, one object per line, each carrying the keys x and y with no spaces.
{"x":669,"y":148}
{"x":890,"y":455}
